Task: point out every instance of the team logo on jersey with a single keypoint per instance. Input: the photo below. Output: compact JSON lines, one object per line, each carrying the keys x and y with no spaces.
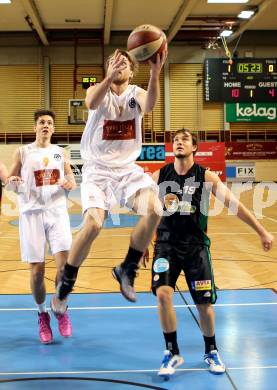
{"x":45,"y":161}
{"x":161,"y":265}
{"x":57,"y":157}
{"x":171,"y":202}
{"x":132,"y":103}
{"x":186,"y":207}
{"x":201,"y":285}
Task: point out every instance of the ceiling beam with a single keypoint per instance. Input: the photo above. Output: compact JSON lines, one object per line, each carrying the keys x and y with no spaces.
{"x":179,"y":18}
{"x":258,"y":15}
{"x":108,"y":20}
{"x":33,"y":14}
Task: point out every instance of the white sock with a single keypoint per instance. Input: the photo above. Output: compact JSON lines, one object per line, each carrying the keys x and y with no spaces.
{"x":42,"y":307}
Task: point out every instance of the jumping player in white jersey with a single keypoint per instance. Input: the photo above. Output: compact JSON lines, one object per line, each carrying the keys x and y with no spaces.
{"x":110,"y":145}
{"x":41,"y":176}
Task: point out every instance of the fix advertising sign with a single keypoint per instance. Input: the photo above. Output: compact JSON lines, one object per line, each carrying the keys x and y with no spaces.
{"x":245,"y":172}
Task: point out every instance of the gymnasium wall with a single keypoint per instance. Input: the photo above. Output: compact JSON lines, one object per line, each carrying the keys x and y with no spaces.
{"x":23,"y":76}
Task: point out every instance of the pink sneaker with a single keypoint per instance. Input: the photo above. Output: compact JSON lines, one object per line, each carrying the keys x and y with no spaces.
{"x":45,"y":332}
{"x":65,"y":326}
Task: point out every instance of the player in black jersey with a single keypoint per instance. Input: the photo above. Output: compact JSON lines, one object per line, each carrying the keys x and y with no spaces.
{"x":183,"y":245}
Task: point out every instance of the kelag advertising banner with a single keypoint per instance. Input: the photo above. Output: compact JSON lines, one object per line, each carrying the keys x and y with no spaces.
{"x":251,"y":150}
{"x":251,"y":112}
{"x":210,"y":155}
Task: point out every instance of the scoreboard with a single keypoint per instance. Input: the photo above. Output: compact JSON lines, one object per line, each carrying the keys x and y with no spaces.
{"x":240,"y":80}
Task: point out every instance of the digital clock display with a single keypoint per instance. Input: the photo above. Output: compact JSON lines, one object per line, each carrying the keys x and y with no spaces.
{"x":249,"y":67}
{"x":241,"y":80}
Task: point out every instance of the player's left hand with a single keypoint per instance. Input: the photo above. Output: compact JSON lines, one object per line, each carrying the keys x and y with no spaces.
{"x":145,"y":258}
{"x":156,"y":67}
{"x":267,"y":240}
{"x":67,"y":185}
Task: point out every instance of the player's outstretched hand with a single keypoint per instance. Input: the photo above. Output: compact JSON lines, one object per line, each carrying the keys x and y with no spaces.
{"x":117,"y":64}
{"x":160,"y":60}
{"x":267,"y":240}
{"x":67,"y":185}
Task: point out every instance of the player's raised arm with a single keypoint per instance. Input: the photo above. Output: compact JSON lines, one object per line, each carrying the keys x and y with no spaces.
{"x":96,"y":93}
{"x":222,"y":192}
{"x":148,"y":99}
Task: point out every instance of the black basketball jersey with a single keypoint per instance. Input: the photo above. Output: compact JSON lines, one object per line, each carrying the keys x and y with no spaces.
{"x":186,"y":202}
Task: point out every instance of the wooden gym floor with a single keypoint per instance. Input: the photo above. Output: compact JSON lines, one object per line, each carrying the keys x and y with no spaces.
{"x":238,"y":259}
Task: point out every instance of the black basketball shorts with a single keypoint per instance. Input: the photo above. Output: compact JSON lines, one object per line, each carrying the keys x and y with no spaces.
{"x":195,"y":261}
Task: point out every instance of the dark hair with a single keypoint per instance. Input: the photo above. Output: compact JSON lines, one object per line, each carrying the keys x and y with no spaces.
{"x":133,"y":63}
{"x":194,"y":137}
{"x":42,"y":112}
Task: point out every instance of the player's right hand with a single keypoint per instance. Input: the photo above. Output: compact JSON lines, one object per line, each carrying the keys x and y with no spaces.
{"x":267,"y":240}
{"x":117,"y":64}
{"x":13,"y":182}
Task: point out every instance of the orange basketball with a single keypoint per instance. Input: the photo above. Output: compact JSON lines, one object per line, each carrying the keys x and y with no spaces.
{"x":145,"y":42}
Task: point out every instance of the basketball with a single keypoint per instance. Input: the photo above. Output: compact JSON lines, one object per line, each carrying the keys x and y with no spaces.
{"x":145,"y":42}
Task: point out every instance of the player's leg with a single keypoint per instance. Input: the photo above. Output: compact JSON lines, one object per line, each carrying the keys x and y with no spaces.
{"x":93,"y":222}
{"x":64,"y":322}
{"x":146,"y":203}
{"x":32,"y":247}
{"x":164,"y":275}
{"x":39,"y":293}
{"x":199,"y":275}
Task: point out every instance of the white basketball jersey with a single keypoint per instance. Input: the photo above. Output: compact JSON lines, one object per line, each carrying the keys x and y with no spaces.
{"x":112,"y":136}
{"x":41,"y":171}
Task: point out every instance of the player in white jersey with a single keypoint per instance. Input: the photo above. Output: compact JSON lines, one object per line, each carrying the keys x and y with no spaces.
{"x":41,"y":176}
{"x":110,"y":145}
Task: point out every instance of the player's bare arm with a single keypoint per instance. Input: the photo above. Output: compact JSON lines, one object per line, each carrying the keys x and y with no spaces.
{"x":222,"y":192}
{"x":156,"y":176}
{"x":148,"y":99}
{"x":95,"y":94}
{"x":3,"y":173}
{"x":69,"y":182}
{"x":14,"y":178}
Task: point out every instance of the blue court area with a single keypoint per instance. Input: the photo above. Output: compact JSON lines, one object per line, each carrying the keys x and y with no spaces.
{"x":118,"y":345}
{"x":112,"y":221}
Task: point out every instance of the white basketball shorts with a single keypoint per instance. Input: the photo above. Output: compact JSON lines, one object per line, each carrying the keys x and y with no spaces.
{"x":39,"y":227}
{"x":104,"y":187}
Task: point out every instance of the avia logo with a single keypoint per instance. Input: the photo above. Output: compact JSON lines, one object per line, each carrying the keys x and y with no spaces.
{"x":253,"y":110}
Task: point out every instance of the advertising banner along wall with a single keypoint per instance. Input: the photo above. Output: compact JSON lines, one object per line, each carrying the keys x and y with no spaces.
{"x":251,"y":112}
{"x":251,"y":150}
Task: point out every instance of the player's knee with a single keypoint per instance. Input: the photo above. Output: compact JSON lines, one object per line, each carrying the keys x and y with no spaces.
{"x":204,"y":309}
{"x":92,"y":225}
{"x":164,"y":297}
